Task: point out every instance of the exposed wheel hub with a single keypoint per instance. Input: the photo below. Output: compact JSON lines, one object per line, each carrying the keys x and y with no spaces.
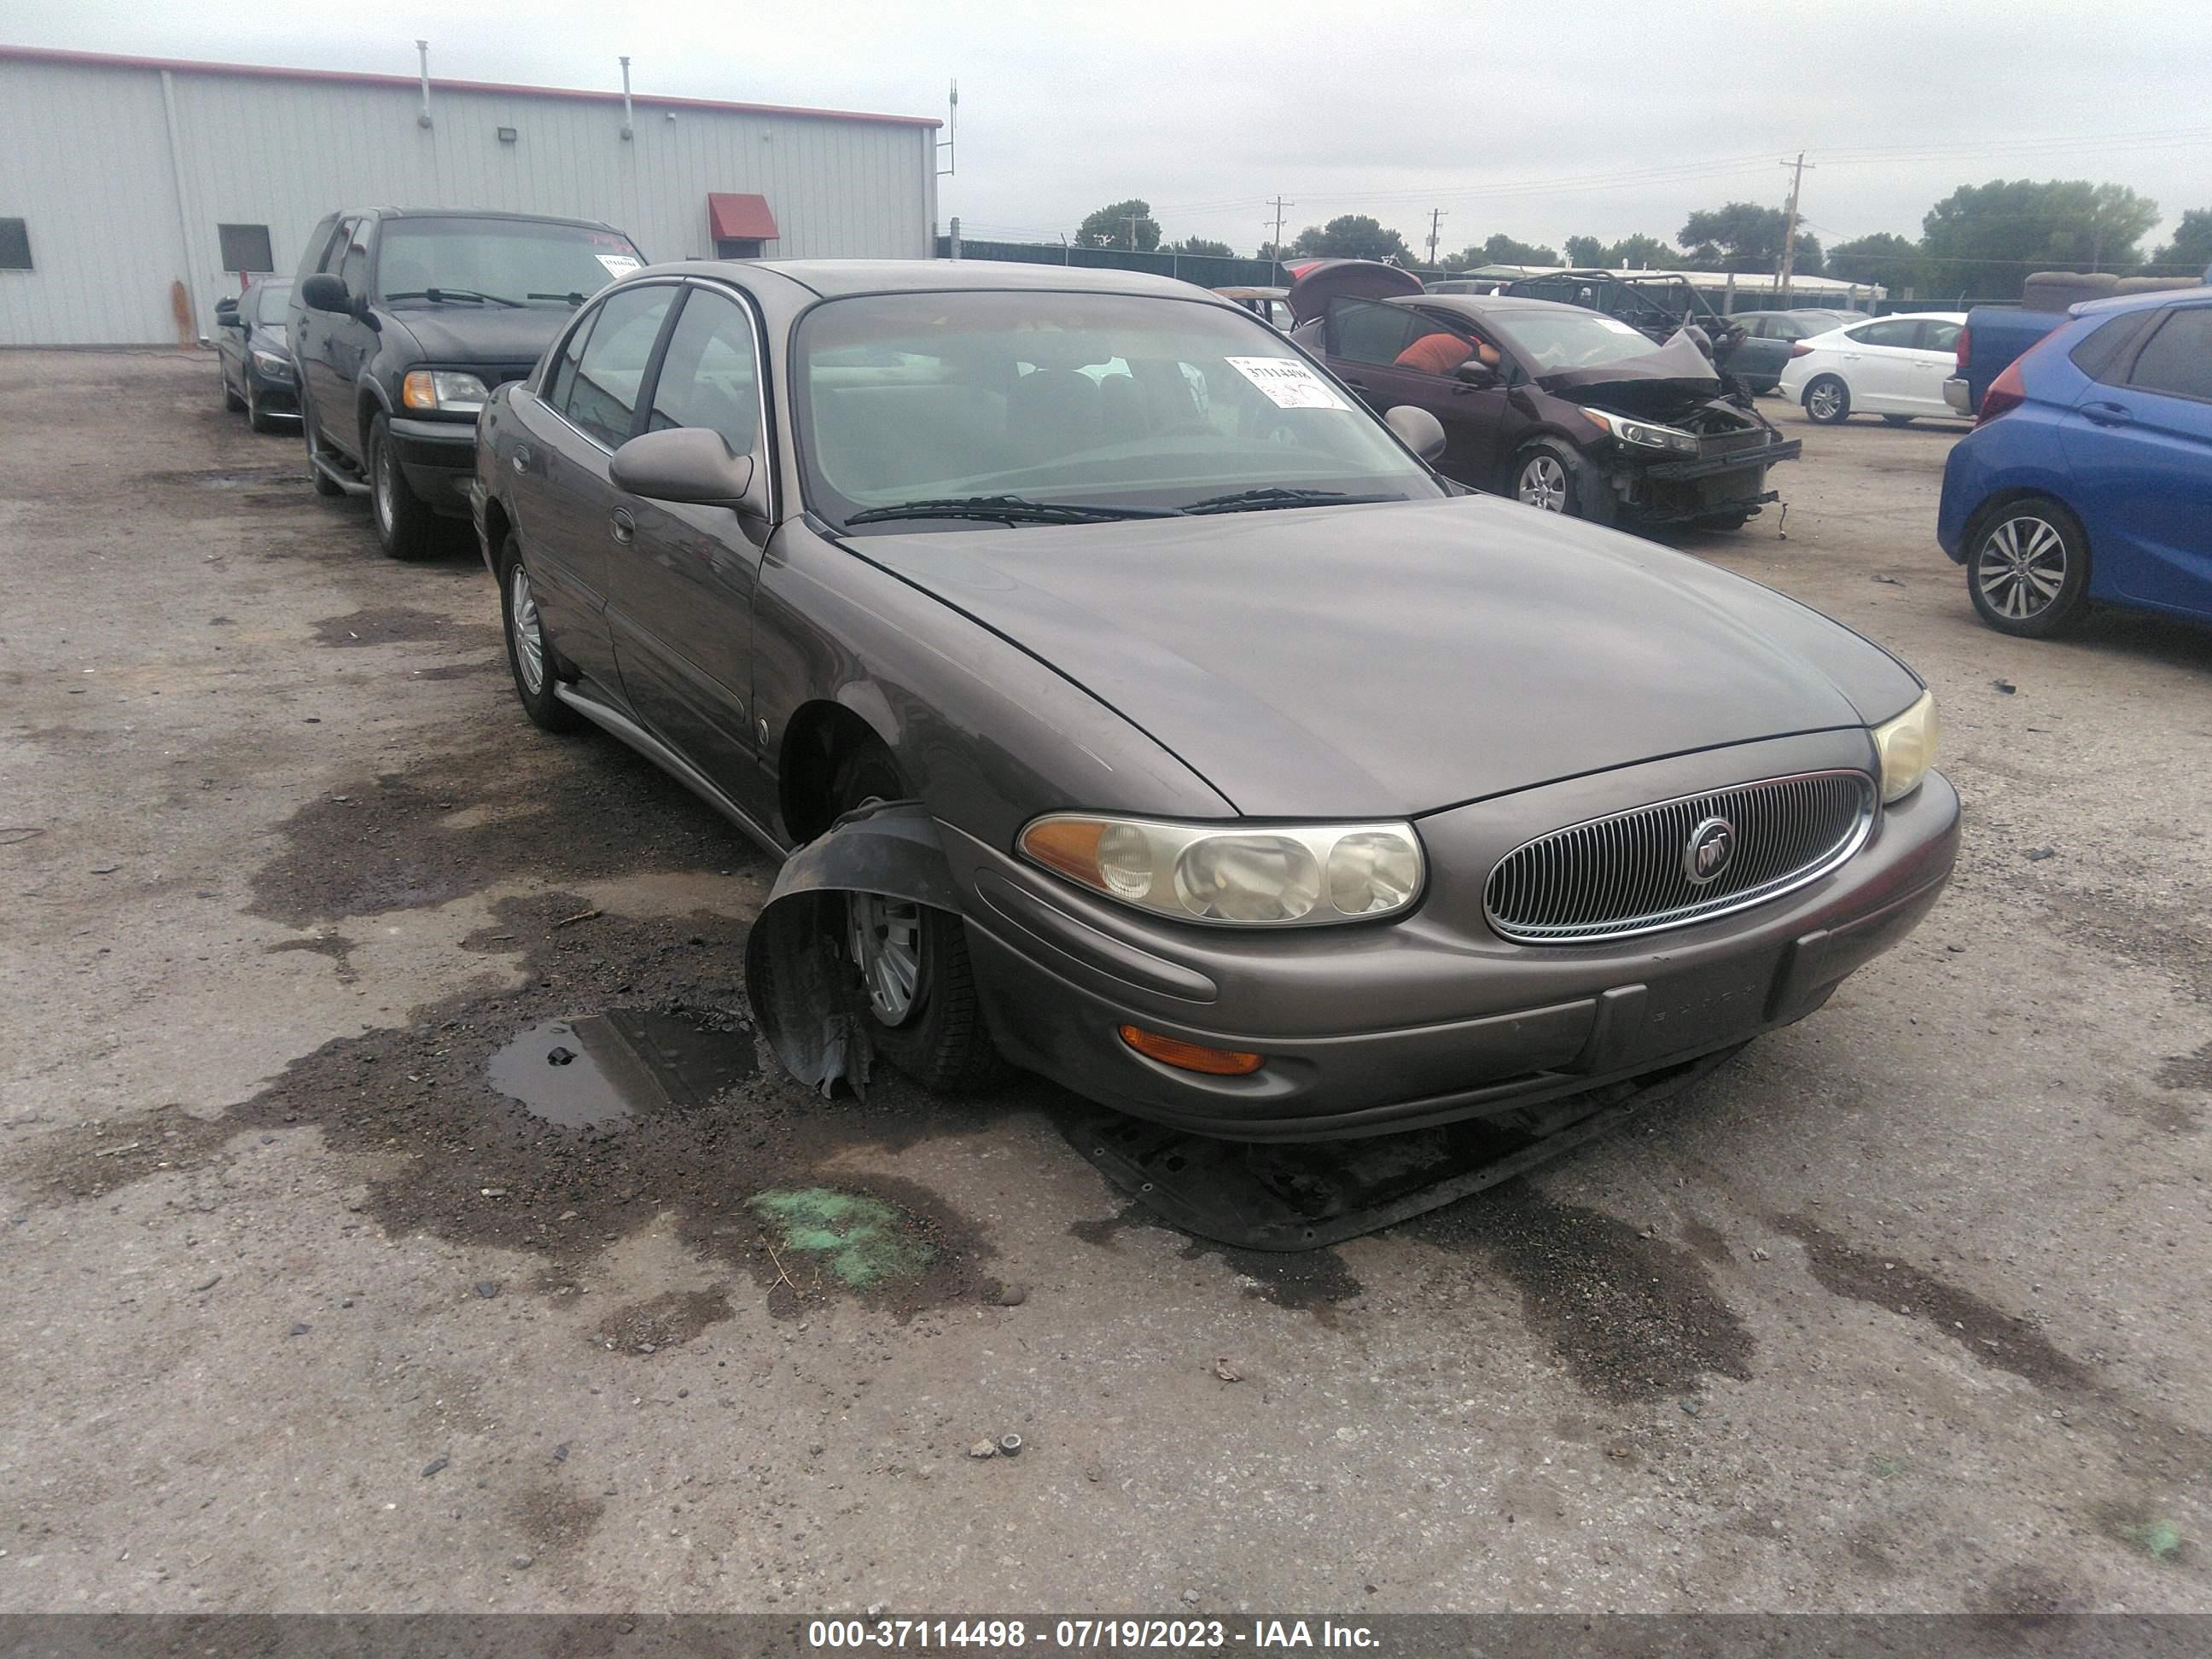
{"x":885,"y":938}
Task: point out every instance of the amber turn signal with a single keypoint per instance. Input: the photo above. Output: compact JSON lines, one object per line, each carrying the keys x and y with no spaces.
{"x":1191,"y":1056}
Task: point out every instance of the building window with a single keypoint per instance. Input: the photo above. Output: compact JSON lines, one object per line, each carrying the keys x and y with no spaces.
{"x":245,"y":248}
{"x":738,"y":247}
{"x":15,"y":244}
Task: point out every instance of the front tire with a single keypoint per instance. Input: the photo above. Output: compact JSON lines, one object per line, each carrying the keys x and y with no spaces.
{"x":231,"y":400}
{"x":531,"y":659}
{"x":256,"y":417}
{"x":405,"y":527}
{"x":1827,"y":401}
{"x":917,"y":990}
{"x":1551,"y":477}
{"x":2028,"y":568}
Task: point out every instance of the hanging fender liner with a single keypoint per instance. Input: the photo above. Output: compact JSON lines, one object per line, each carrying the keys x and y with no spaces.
{"x":804,"y":994}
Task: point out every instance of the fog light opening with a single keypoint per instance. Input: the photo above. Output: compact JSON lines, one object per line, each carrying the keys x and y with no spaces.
{"x":1191,"y":1056}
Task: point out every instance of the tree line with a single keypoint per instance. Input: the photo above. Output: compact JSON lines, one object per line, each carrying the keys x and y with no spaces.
{"x":1981,"y":240}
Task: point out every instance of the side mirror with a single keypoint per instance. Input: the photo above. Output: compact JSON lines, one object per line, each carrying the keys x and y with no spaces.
{"x":324,"y":292}
{"x":1420,"y":431}
{"x":693,"y":464}
{"x":1475,"y":372}
{"x":226,"y":314}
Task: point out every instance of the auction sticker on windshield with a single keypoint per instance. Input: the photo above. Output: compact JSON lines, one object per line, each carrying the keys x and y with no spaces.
{"x":1288,"y":383}
{"x":618,"y":265}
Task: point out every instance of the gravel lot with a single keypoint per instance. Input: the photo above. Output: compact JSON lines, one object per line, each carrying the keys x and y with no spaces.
{"x":1904,"y":1309}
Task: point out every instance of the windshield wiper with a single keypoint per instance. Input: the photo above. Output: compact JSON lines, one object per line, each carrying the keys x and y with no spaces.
{"x":438,"y":296}
{"x":1008,"y":509}
{"x":571,"y":298}
{"x":1275,"y":495}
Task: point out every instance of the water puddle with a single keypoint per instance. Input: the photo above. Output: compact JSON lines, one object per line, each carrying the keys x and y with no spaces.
{"x":597,"y":1071}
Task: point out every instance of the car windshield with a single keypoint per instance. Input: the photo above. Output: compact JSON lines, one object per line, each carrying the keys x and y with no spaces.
{"x":1119,"y":403}
{"x":498,"y":261}
{"x":270,"y":301}
{"x":1552,"y":340}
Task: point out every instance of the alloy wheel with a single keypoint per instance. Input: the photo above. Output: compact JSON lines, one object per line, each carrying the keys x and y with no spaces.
{"x":1823,"y":402}
{"x":523,"y":626}
{"x":1544,"y":484}
{"x":884,"y":936}
{"x":2020,"y":566}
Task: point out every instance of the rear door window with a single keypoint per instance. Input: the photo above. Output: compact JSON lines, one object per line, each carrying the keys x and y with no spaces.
{"x":1891,"y":331}
{"x":1367,"y":332}
{"x":603,"y":401}
{"x":1939,"y":336}
{"x":2176,"y":360}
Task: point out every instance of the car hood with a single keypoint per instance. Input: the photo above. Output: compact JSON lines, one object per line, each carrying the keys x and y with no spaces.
{"x":459,"y":334}
{"x":1668,"y":380}
{"x":1393,"y":660}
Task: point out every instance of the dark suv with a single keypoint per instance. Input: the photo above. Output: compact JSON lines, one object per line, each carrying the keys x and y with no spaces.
{"x":402,"y":322}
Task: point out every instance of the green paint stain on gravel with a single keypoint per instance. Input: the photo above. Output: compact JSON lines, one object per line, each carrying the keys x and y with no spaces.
{"x":2158,"y":1538}
{"x":862,"y":1241}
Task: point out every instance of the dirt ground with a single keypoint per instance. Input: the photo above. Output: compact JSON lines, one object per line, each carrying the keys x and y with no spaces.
{"x":1902,"y":1309}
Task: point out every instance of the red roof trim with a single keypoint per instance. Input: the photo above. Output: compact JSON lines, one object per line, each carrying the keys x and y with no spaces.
{"x":187,"y":66}
{"x":736,"y":218}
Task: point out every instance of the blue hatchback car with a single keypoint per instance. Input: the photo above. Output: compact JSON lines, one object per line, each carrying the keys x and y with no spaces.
{"x":2088,"y":476}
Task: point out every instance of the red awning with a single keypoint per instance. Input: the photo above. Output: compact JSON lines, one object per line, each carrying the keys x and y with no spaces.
{"x":740,"y":218}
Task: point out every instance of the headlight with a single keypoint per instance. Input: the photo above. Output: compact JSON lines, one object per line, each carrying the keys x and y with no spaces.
{"x":1907,"y":748}
{"x":1258,"y":876}
{"x":443,"y":389}
{"x":1645,"y":435}
{"x":269,"y":363}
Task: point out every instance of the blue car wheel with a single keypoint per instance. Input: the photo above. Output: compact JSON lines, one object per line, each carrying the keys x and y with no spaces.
{"x":2028,"y":568}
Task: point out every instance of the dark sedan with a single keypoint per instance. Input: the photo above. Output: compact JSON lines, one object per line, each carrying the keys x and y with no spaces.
{"x":1128,"y":703}
{"x":1561,"y":408}
{"x":254,"y":358}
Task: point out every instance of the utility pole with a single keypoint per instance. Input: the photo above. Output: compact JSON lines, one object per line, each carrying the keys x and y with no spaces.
{"x":1279,"y":204}
{"x":1790,"y":228}
{"x":1436,"y":223}
{"x":1130,"y":220}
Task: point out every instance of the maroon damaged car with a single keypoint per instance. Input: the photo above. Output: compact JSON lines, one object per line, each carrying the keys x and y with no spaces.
{"x":1566,"y":409}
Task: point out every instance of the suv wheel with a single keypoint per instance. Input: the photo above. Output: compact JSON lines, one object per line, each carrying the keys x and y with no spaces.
{"x":405,"y":528}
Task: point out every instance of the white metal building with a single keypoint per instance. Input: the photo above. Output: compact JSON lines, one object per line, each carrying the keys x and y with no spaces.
{"x":136,"y":193}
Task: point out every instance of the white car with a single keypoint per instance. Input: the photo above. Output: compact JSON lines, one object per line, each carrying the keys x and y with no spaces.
{"x":1894,"y":366}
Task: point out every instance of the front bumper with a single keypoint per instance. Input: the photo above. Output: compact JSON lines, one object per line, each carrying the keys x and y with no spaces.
{"x":1433,"y":1017}
{"x":437,"y":458}
{"x":278,"y":394}
{"x":1673,"y":492}
{"x":1960,"y":395}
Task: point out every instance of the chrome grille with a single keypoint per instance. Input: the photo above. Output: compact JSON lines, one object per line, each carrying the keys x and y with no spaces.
{"x":1628,"y":873}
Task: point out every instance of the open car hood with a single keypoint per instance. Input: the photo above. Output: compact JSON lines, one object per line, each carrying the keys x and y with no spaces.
{"x":1672,"y":372}
{"x":1359,"y":279}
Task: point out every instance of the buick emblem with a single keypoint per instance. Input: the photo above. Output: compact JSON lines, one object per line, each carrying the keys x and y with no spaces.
{"x":1706,"y":855}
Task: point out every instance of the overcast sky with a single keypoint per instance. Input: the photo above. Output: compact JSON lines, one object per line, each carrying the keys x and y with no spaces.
{"x":1538,"y":119}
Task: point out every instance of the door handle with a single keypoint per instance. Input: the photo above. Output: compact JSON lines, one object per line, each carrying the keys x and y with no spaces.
{"x":522,"y":458}
{"x":2106,"y":414}
{"x":622,"y":526}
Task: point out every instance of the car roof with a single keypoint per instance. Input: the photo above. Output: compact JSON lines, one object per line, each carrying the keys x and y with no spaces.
{"x":472,"y":213}
{"x":831,"y":278}
{"x":2146,"y":301}
{"x":1920,"y":316}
